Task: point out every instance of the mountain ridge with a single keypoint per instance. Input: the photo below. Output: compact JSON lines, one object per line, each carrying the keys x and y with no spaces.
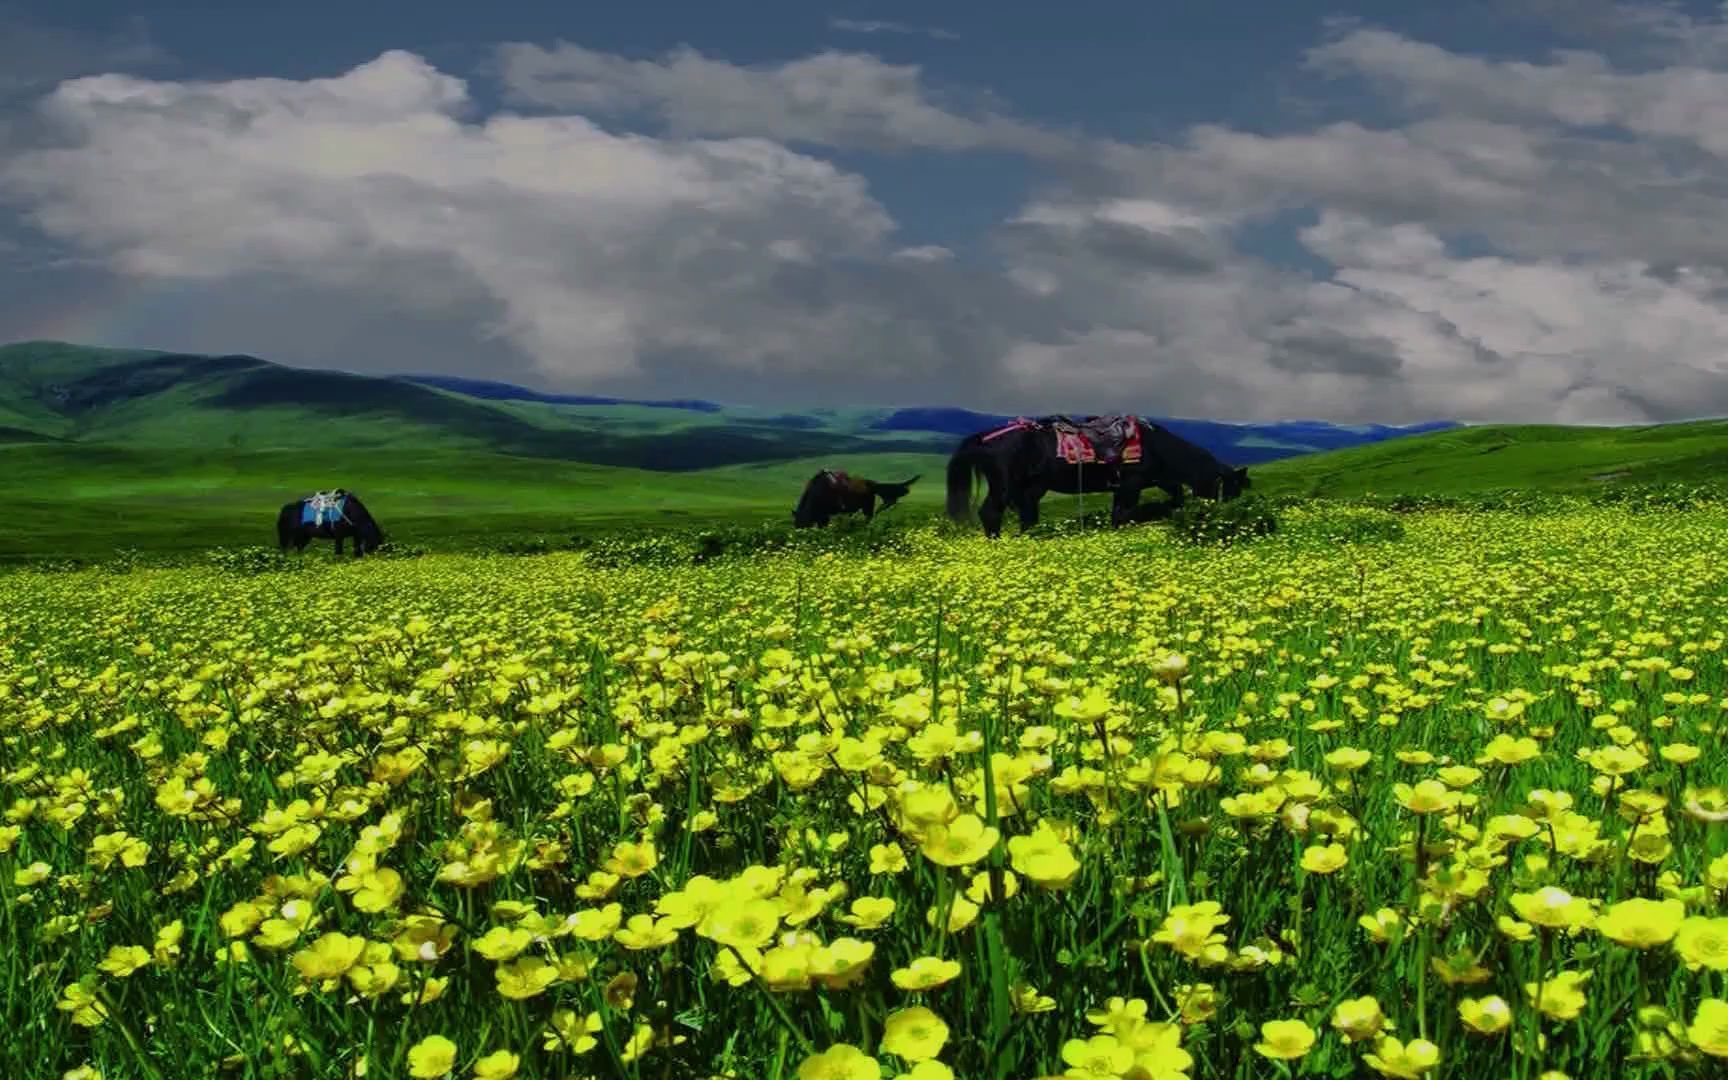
{"x":141,"y":397}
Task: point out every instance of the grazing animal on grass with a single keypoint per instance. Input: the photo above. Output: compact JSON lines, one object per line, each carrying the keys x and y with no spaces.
{"x":329,"y":515}
{"x":1023,"y":461}
{"x":831,"y":492}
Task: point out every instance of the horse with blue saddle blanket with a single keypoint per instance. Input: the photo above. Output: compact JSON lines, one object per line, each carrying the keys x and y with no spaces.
{"x":328,"y":515}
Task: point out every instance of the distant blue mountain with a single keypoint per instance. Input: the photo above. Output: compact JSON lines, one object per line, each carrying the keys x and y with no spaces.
{"x":497,"y":391}
{"x":1241,"y":444}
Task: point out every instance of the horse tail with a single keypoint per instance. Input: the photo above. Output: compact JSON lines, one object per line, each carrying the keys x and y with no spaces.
{"x":961,"y":466}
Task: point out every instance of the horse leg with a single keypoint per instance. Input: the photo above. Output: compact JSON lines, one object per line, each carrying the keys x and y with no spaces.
{"x":990,"y":513}
{"x":1027,"y":505}
{"x":1125,"y":502}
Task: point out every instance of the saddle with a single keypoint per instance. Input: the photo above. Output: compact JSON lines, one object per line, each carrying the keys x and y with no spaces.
{"x":1107,"y":440}
{"x":325,"y":506}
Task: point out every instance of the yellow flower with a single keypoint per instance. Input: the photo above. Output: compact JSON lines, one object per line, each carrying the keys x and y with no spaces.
{"x":502,"y":942}
{"x":1709,"y":1030}
{"x":1171,"y":667}
{"x":1485,"y":1015}
{"x":1505,"y":749}
{"x":841,"y":1061}
{"x":573,"y":1031}
{"x":1044,"y":858}
{"x":329,"y":956}
{"x":1099,"y":1056}
{"x":1348,"y":758}
{"x":633,"y":860}
{"x":1028,"y":1001}
{"x":869,"y":912}
{"x":1189,"y":928}
{"x":742,"y":924}
{"x":1642,"y":924}
{"x":123,"y":960}
{"x":961,"y":842}
{"x":645,"y":932}
{"x":1427,"y":797}
{"x":930,"y":1070}
{"x":842,"y":962}
{"x":1381,"y":925}
{"x":1406,"y":1061}
{"x":1284,"y":1040}
{"x":498,"y":1065}
{"x":1359,"y":1020}
{"x":1554,"y":908}
{"x":1324,"y":859}
{"x":915,"y":1034}
{"x":1562,"y":996}
{"x":525,"y":977}
{"x":80,"y":1000}
{"x":925,"y":973}
{"x":431,"y":1057}
{"x":379,"y":890}
{"x":1703,"y":942}
{"x":887,"y":859}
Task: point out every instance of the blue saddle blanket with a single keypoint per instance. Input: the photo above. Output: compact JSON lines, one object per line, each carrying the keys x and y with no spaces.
{"x":323,"y":508}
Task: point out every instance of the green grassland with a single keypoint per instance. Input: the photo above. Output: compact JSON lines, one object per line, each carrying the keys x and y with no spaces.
{"x":1525,"y":457}
{"x":109,"y":449}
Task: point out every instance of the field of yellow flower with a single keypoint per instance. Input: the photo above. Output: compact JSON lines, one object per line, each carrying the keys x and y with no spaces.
{"x":1097,"y":807}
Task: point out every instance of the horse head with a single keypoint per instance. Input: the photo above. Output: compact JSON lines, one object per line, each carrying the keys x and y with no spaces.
{"x":1234,"y":483}
{"x":808,"y":509}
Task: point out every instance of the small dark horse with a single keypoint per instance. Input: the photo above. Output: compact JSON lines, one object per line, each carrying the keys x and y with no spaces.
{"x":1020,"y":464}
{"x":830,"y":493}
{"x":343,"y":516}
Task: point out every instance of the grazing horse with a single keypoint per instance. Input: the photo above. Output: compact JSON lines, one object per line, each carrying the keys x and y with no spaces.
{"x":329,"y":515}
{"x":831,"y":492}
{"x":1023,"y":461}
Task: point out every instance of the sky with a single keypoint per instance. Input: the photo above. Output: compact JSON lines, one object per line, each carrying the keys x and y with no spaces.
{"x":1486,"y":210}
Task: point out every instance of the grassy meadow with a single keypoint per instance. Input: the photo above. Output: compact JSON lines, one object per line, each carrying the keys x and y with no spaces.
{"x":87,"y":500}
{"x":1435,"y":800}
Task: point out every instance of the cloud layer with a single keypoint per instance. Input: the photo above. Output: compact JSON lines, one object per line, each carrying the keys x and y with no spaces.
{"x":1543,"y":240}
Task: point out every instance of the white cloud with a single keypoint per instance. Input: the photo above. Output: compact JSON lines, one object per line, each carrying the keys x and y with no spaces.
{"x":884,"y":26}
{"x":829,"y":99}
{"x":1578,"y":89}
{"x":600,"y":249}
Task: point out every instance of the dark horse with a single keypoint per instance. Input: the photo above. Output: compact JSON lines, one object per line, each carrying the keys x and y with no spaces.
{"x":336,"y":515}
{"x":830,"y":492}
{"x":1020,"y":464}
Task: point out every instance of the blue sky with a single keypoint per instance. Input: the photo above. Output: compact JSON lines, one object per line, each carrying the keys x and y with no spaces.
{"x":1392,"y":212}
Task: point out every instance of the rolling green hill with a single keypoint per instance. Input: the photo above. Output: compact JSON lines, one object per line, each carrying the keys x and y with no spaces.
{"x":1525,"y":457}
{"x":58,"y":393}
